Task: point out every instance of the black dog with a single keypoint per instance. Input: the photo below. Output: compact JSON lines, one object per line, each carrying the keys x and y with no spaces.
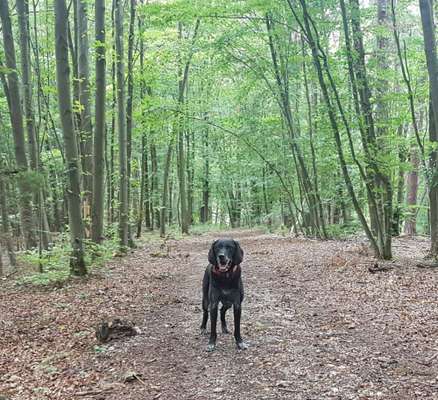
{"x":223,"y":283}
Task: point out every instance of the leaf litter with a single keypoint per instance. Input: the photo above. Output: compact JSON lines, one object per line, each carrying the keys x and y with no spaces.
{"x":324,"y":320}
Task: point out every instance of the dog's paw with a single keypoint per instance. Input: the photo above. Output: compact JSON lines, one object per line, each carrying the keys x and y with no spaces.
{"x":225,"y":330}
{"x":211,"y":347}
{"x":242,"y":345}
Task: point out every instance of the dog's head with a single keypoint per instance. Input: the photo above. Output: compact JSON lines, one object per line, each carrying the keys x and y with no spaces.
{"x":225,"y":254}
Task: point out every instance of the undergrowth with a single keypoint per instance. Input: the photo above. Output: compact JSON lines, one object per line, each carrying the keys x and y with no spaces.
{"x":54,"y":266}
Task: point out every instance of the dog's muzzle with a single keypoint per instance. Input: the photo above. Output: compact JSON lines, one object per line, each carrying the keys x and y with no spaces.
{"x":223,"y":267}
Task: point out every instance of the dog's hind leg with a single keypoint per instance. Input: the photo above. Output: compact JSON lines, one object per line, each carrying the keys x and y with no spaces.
{"x":205,"y":290}
{"x":224,"y":309}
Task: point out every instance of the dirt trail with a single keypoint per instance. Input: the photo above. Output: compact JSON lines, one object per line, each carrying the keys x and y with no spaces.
{"x":319,"y":326}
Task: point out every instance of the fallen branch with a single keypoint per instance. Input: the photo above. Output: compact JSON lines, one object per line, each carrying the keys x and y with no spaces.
{"x":115,"y":330}
{"x":426,"y":264}
{"x":89,"y":393}
{"x":376,"y":268}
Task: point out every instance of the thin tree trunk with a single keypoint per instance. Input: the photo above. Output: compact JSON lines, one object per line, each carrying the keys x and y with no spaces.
{"x":100,"y":131}
{"x":85,"y":127}
{"x":183,"y":74}
{"x":146,"y":201}
{"x":130,"y":93}
{"x":190,"y":159}
{"x":411,"y":195}
{"x":183,"y":77}
{"x":121,"y":118}
{"x":144,"y":189}
{"x":77,"y":262}
{"x":205,"y":214}
{"x":23,"y":19}
{"x":5,"y":228}
{"x":155,"y":213}
{"x":165,"y":190}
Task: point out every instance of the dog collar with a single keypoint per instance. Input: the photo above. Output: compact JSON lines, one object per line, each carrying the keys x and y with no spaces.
{"x":225,"y":273}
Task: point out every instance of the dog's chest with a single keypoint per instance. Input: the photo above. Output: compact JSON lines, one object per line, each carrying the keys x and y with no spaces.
{"x":227,"y":293}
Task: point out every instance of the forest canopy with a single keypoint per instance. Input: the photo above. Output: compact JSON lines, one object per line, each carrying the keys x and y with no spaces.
{"x":315,"y":117}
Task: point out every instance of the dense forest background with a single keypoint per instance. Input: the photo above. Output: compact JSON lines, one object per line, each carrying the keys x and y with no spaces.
{"x":118,"y":118}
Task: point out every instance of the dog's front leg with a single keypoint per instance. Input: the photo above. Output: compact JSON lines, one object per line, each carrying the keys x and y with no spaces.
{"x":204,"y":315}
{"x":213,"y":319}
{"x":224,"y":309}
{"x":237,"y":314}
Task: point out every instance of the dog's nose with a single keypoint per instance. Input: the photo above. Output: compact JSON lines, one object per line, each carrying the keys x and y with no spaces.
{"x":221,"y":257}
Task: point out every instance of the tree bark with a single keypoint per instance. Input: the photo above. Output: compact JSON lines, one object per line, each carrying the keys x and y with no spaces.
{"x":15,"y":111}
{"x":155,"y":213}
{"x":205,"y":214}
{"x":121,"y":125}
{"x":410,"y":227}
{"x":85,"y":126}
{"x":77,"y":261}
{"x":5,"y":228}
{"x":100,"y":131}
{"x":23,"y":20}
{"x":166,"y":173}
{"x":426,"y":10}
{"x":130,"y":93}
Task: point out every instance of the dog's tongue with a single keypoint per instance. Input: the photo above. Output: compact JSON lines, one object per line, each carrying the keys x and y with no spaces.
{"x":223,"y":267}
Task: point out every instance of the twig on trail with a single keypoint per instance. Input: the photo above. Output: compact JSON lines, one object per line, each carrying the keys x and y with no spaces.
{"x":89,"y":393}
{"x":375,"y":268}
{"x":10,"y":274}
{"x":131,"y":376}
{"x":140,"y":380}
{"x":426,"y":264}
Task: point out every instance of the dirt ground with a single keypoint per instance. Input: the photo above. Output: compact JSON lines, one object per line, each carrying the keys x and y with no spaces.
{"x":319,"y":325}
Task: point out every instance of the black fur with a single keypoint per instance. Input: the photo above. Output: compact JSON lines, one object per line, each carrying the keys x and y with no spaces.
{"x":222,"y":283}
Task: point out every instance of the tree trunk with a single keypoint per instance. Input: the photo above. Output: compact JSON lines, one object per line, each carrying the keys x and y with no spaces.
{"x":190,"y":158}
{"x":129,"y":99}
{"x":205,"y":214}
{"x":100,"y":131}
{"x":183,"y":78}
{"x":426,"y":10}
{"x":85,"y":127}
{"x":15,"y":111}
{"x":146,"y":201}
{"x":23,"y":19}
{"x":411,"y":195}
{"x":121,"y":119}
{"x":77,"y":262}
{"x":155,"y":213}
{"x":165,"y":190}
{"x":5,"y":228}
{"x":144,"y":189}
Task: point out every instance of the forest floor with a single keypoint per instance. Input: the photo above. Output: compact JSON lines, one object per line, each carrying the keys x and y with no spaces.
{"x":319,"y":325}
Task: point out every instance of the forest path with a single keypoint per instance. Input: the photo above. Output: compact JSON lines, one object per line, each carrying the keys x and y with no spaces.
{"x":319,"y":326}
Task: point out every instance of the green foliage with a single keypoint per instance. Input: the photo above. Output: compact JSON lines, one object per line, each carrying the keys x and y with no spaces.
{"x":54,"y":263}
{"x":337,"y":231}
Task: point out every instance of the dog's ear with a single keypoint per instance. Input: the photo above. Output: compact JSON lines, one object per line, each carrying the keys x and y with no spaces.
{"x":238,"y":254}
{"x":212,"y":255}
